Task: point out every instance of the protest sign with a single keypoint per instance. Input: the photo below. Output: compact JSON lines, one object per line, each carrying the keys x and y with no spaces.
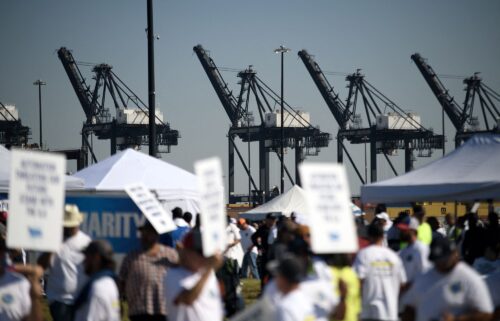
{"x":212,"y":205}
{"x":328,"y":198}
{"x":261,"y":310}
{"x":36,"y":201}
{"x":151,"y":208}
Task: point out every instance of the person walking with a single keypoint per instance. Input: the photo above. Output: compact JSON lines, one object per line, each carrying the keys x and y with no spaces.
{"x":99,"y":299}
{"x":382,"y":277}
{"x":259,"y":239}
{"x":141,"y":277}
{"x":424,"y":229}
{"x":250,"y":256}
{"x":191,"y":289}
{"x":66,"y":276}
{"x":449,"y":291}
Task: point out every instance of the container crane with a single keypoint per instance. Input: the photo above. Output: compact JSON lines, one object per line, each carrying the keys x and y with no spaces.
{"x":299,"y":133}
{"x":129,"y":127}
{"x":12,"y":131}
{"x":462,"y":118}
{"x":388,"y":129}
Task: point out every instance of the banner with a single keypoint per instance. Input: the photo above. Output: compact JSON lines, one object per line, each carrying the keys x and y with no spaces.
{"x":212,"y":205}
{"x":151,"y":208}
{"x":330,"y":213}
{"x":36,"y":201}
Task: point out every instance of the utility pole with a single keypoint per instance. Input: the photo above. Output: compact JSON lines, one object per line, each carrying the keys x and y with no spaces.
{"x":282,"y":50}
{"x":40,"y":83}
{"x":151,"y":81}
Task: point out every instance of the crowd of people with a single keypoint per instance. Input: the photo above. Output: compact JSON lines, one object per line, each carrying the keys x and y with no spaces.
{"x":411,"y":268}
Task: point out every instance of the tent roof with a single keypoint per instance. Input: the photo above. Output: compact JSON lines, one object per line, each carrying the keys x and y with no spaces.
{"x":71,"y":182}
{"x":130,"y":166}
{"x":471,"y":172}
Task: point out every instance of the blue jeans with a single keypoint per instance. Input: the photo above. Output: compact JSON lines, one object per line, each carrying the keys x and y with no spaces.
{"x":250,"y":258}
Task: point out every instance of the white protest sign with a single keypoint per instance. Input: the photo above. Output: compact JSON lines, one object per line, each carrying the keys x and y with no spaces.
{"x":328,"y":198}
{"x":151,"y":208}
{"x":262,"y":310}
{"x":212,"y":205}
{"x":36,"y":201}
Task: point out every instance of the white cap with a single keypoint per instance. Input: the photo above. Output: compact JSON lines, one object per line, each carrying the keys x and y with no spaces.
{"x":383,"y":216}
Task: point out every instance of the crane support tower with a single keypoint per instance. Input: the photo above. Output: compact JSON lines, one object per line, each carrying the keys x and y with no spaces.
{"x":130,"y":126}
{"x":299,"y":133}
{"x":385,"y":127}
{"x":12,"y":131}
{"x":463,"y":118}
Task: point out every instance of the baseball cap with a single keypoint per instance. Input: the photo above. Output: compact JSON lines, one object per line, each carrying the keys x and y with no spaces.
{"x":241,"y":221}
{"x":192,"y":241}
{"x":410,"y":223}
{"x":441,"y":248}
{"x":72,"y":216}
{"x":101,"y":247}
{"x":383,"y":216}
{"x":289,"y":267}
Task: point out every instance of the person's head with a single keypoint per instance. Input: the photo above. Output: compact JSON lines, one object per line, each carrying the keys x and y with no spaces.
{"x":375,"y":232}
{"x":191,"y":251}
{"x":380,"y":208}
{"x":98,"y":257}
{"x":177,"y":213}
{"x":72,"y":220}
{"x":419,"y":213}
{"x":433,"y":222}
{"x":304,"y":233}
{"x":492,"y":219}
{"x":242,"y":224}
{"x":444,"y":254}
{"x":408,"y":230}
{"x":149,"y":236}
{"x":286,"y":231}
{"x":383,"y":218}
{"x":188,"y":217}
{"x":449,"y":219}
{"x":271,"y":219}
{"x":288,"y":272}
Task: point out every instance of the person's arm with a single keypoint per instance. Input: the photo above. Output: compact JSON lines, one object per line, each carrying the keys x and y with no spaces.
{"x":340,"y":309}
{"x":188,"y":296}
{"x":33,"y":273}
{"x":472,"y":316}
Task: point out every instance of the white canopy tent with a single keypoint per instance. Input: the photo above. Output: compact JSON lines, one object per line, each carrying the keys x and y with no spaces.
{"x":71,"y":182}
{"x":173,"y":185}
{"x":294,"y":200}
{"x":469,"y":173}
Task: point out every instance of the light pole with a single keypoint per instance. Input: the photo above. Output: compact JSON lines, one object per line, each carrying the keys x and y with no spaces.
{"x":282,"y":50}
{"x":151,"y":81}
{"x":40,"y":83}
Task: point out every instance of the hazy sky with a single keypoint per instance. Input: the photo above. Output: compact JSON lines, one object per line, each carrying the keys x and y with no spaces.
{"x":458,"y":37}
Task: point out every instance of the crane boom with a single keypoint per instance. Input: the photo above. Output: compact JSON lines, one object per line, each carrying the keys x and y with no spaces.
{"x":226,"y":97}
{"x":452,"y":109}
{"x":338,"y":109}
{"x":77,"y":81}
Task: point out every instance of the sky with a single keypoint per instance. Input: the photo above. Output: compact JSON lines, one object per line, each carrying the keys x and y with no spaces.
{"x":458,"y":38}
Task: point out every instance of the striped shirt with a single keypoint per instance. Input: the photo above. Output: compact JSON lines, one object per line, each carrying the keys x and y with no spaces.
{"x":143,"y":275}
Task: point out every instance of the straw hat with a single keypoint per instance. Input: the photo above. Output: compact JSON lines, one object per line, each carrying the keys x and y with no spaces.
{"x":72,"y":216}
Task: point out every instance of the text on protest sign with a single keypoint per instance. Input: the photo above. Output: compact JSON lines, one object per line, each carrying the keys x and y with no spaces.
{"x":330,"y":208}
{"x":36,"y":200}
{"x":151,"y":208}
{"x":212,"y":205}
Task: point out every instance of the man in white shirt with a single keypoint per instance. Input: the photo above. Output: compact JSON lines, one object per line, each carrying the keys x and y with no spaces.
{"x":66,"y":275}
{"x":293,"y":304}
{"x":449,"y":291}
{"x":191,"y":290}
{"x":234,"y":251}
{"x":99,"y":299}
{"x":382,"y":276}
{"x":415,"y":255}
{"x":250,"y":256}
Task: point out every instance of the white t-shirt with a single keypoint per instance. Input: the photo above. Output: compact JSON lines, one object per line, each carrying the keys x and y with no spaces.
{"x":208,"y":305}
{"x":15,"y":300}
{"x":246,"y":239}
{"x":415,"y":259}
{"x":493,"y":283}
{"x":66,"y":276}
{"x":234,"y":252}
{"x":103,"y":303}
{"x":484,"y":266}
{"x":382,"y":274}
{"x":457,"y":292}
{"x":295,"y":306}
